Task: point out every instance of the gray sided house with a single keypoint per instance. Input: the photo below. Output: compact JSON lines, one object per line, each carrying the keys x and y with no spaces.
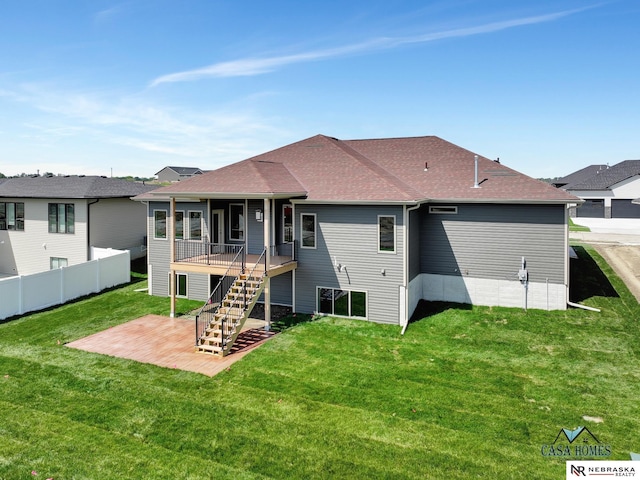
{"x":608,"y":192}
{"x":176,"y":174}
{"x":365,"y":229}
{"x":52,"y":222}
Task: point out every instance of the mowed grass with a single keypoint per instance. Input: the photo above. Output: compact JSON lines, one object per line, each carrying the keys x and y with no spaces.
{"x":467,"y":392}
{"x":577,"y":228}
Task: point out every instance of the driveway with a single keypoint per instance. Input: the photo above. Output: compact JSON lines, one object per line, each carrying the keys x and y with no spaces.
{"x":618,"y":241}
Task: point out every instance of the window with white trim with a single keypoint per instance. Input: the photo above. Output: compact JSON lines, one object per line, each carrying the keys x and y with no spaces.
{"x":57,"y":262}
{"x":195,"y":225}
{"x":12,"y":216}
{"x":179,"y":224}
{"x":387,"y":233}
{"x":308,"y":230}
{"x":287,"y":223}
{"x":62,"y":218}
{"x":342,"y":303}
{"x":443,"y":209}
{"x":181,"y":284}
{"x":159,"y":224}
{"x":236,"y":221}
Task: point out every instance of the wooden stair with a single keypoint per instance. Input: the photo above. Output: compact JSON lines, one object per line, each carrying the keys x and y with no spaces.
{"x":231,"y":315}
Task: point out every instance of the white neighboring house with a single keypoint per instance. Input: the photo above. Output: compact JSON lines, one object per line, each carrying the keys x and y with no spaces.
{"x":50,"y":222}
{"x":608,"y":192}
{"x":176,"y":174}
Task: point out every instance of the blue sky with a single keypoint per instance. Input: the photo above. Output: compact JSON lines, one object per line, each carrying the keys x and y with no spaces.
{"x":126,"y":88}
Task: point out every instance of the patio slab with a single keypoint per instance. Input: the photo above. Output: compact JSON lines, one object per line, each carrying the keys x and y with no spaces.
{"x":169,"y":342}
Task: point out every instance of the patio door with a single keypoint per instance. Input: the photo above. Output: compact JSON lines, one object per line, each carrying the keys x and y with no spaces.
{"x":217,"y":231}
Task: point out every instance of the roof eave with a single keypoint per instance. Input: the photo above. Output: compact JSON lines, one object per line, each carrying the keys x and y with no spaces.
{"x":521,"y":201}
{"x":356,"y":202}
{"x":225,"y":195}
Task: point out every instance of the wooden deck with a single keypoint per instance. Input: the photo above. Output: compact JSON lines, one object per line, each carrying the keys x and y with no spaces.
{"x":218,"y":266}
{"x":169,"y":342}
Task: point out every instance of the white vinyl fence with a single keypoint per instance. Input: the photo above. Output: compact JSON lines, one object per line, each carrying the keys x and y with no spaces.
{"x":27,"y":293}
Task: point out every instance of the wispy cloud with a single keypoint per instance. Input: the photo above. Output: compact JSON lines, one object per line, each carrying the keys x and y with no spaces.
{"x":137,"y":127}
{"x":258,"y":66}
{"x":108,"y":13}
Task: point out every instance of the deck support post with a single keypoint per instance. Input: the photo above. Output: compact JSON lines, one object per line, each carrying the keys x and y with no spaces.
{"x":267,"y":257}
{"x":172,"y":253}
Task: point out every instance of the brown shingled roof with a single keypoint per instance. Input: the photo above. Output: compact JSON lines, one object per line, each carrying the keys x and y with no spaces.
{"x":325,"y":169}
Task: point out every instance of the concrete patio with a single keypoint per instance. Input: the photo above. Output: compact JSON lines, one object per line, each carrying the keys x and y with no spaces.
{"x":169,"y":342}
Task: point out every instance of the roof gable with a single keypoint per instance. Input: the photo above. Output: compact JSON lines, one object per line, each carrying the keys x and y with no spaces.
{"x":580,"y":175}
{"x":605,"y":179}
{"x":404,"y":170}
{"x":182,"y":170}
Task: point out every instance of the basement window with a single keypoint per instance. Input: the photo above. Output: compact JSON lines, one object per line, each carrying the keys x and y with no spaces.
{"x":443,"y":210}
{"x":343,"y":303}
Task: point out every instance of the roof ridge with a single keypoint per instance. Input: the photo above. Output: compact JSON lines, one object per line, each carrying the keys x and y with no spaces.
{"x":377,"y":168}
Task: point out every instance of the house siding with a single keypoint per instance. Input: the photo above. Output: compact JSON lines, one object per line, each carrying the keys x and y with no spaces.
{"x":489,"y":241}
{"x":414,"y":243}
{"x":110,"y":229}
{"x":32,"y":248}
{"x":198,"y":286}
{"x":348,"y":235}
{"x":281,"y":291}
{"x":255,"y":229}
{"x":158,"y":253}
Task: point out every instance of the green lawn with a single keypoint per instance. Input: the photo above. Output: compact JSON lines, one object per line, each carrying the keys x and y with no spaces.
{"x":577,"y":228}
{"x":466,"y":393}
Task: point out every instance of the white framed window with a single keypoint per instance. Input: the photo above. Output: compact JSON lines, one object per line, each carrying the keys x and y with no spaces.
{"x":12,"y":216}
{"x":195,"y":225}
{"x":236,"y":221}
{"x":386,"y":234}
{"x":160,"y":224}
{"x":179,"y":224}
{"x":181,"y":284}
{"x":342,"y":303}
{"x":57,"y":262}
{"x":308,"y":230}
{"x":444,"y":209}
{"x":287,"y":223}
{"x":62,"y":218}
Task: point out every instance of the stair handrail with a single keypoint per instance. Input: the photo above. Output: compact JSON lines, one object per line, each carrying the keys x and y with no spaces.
{"x":261,"y":258}
{"x":227,"y":333}
{"x":199,"y":332}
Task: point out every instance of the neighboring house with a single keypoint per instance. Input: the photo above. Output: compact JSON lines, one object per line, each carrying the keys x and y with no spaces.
{"x":609,"y":193}
{"x":176,"y":174}
{"x":51,"y":222}
{"x":579,"y":176}
{"x":365,"y":229}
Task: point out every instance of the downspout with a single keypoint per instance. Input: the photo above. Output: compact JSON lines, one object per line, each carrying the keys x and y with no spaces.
{"x":405,"y":262}
{"x":89,"y":228}
{"x":293,"y":255}
{"x":577,"y":305}
{"x":567,"y":261}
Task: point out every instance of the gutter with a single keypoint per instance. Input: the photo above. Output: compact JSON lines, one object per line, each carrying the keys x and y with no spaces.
{"x":89,"y":227}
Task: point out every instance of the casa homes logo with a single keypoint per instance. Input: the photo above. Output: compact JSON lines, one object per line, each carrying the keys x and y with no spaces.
{"x":576,"y":444}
